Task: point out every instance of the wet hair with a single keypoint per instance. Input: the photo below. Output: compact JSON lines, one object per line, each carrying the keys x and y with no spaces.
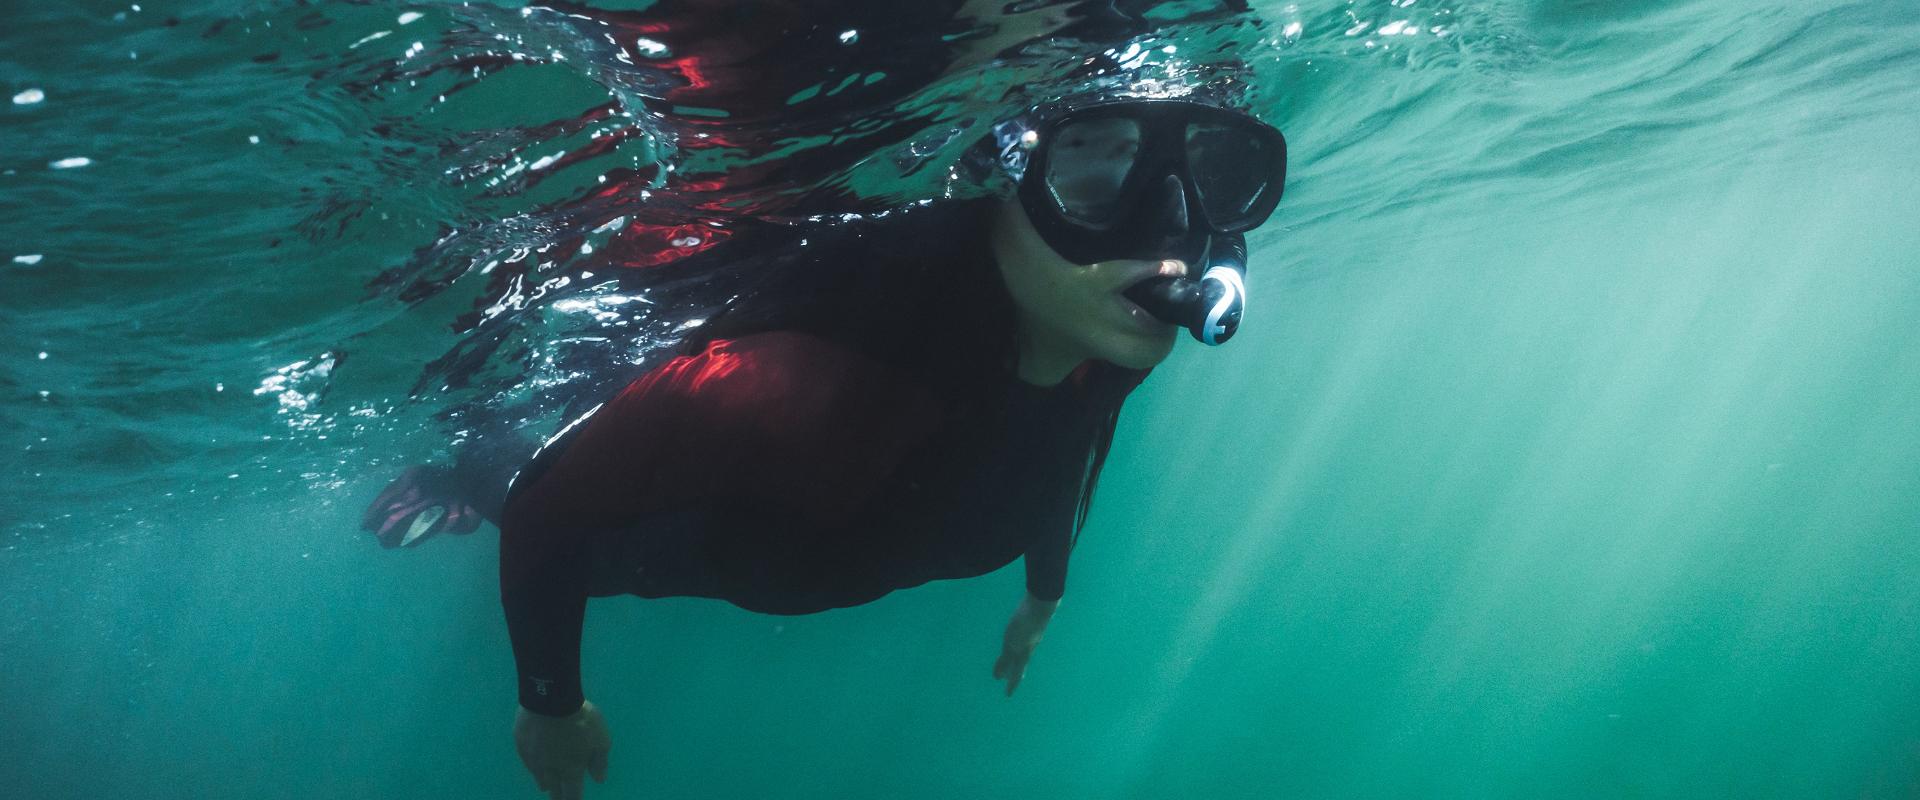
{"x":920,"y":291}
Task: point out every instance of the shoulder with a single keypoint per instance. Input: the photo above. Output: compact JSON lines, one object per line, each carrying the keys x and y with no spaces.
{"x":783,"y":384}
{"x":784,"y":417}
{"x":761,"y":368}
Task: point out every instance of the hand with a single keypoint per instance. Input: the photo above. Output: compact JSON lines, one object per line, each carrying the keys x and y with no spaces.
{"x":1022,"y":635}
{"x":558,"y":749}
{"x":421,"y":502}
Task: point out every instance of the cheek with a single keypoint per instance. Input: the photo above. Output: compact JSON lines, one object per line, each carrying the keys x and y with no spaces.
{"x":1108,"y":332}
{"x":1039,"y":280}
{"x":1061,"y":290}
{"x":1083,"y":300}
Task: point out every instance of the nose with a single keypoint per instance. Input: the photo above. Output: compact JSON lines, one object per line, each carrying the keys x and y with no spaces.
{"x":1174,"y":230}
{"x":1174,"y":206}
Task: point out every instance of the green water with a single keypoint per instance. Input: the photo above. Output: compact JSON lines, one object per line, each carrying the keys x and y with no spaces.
{"x":1569,"y":449}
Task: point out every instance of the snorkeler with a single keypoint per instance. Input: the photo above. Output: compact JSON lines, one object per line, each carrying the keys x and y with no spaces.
{"x":927,"y":396}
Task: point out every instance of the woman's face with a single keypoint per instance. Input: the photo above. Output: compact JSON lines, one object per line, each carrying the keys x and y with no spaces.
{"x":1072,"y":312}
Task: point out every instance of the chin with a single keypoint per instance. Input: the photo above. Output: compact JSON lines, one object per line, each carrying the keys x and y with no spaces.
{"x":1141,"y":352}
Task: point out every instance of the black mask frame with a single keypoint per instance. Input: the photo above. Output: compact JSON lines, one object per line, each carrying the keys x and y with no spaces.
{"x":1159,"y":210}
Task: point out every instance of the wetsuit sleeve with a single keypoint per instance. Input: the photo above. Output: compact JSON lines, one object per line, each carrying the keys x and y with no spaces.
{"x":1046,"y":560}
{"x":1047,"y":564}
{"x":543,"y":589}
{"x":573,"y":492}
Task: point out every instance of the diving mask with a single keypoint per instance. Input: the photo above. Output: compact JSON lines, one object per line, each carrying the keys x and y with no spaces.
{"x":1152,"y":179}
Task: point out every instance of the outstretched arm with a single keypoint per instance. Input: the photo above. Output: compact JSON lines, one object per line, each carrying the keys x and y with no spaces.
{"x":559,"y":735}
{"x":744,"y":422}
{"x":543,"y":589}
{"x":426,"y":499}
{"x":1046,"y":581}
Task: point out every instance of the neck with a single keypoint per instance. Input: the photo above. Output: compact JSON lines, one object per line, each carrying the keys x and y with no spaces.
{"x":1045,"y":359}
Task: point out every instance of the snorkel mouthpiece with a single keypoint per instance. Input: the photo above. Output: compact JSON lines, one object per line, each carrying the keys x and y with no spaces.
{"x":1209,"y":308}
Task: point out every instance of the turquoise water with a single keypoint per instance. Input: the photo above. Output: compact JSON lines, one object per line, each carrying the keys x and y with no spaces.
{"x":1569,"y":445}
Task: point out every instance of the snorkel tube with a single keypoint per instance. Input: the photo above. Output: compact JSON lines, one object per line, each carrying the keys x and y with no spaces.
{"x":1210,"y":308}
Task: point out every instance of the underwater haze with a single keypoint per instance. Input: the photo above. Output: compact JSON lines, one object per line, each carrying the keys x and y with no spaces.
{"x":1570,"y":448}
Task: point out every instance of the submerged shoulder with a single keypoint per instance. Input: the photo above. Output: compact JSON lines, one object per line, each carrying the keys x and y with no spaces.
{"x":783,"y":378}
{"x":784,"y":365}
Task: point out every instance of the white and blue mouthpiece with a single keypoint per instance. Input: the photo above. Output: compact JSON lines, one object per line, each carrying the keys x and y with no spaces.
{"x":1209,"y":308}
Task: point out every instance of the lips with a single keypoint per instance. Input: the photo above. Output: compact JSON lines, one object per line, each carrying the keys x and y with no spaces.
{"x":1146,"y":271}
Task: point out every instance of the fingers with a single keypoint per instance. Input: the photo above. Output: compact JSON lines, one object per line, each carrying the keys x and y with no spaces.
{"x":416,"y":490}
{"x":559,"y":786}
{"x":546,"y":777}
{"x":404,"y":488}
{"x":597,"y":765}
{"x":1011,"y":667}
{"x":530,"y":761}
{"x":397,"y":491}
{"x":400,"y":516}
{"x":568,"y":783}
{"x":462,"y":519}
{"x":383,"y":512}
{"x":455,"y":521}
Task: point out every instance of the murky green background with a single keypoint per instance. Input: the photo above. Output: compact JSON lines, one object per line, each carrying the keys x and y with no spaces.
{"x":1571,"y":449}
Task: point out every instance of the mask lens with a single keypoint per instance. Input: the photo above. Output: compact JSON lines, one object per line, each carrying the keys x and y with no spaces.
{"x":1087,"y":163}
{"x":1230,"y":168}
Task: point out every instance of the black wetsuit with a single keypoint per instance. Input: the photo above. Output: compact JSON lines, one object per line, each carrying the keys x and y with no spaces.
{"x":786,"y":474}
